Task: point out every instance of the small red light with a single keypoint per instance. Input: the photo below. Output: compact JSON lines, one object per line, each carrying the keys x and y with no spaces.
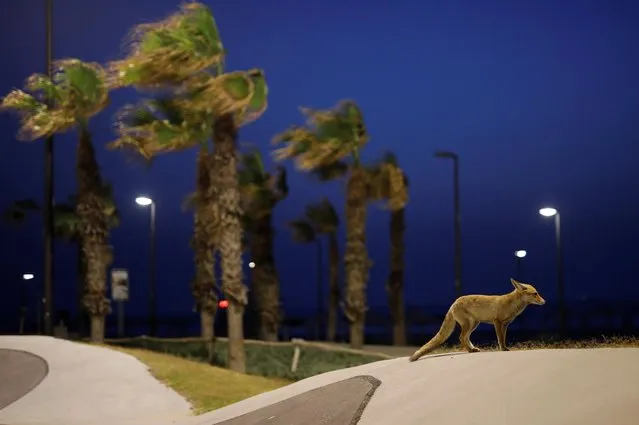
{"x":223,"y":303}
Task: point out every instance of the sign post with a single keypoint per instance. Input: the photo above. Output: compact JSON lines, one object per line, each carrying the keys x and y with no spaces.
{"x":120,"y":294}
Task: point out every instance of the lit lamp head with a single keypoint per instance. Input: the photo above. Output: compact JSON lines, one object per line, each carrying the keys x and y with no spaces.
{"x":143,"y":201}
{"x":520,"y":253}
{"x":548,"y":212}
{"x":251,"y":265}
{"x":27,"y":276}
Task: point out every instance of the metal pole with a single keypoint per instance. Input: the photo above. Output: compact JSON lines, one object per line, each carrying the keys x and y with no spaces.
{"x":560,"y":275}
{"x":519,"y":273}
{"x":38,"y":308}
{"x":320,"y":292}
{"x":48,"y":189}
{"x":152,"y":280}
{"x":121,"y":319}
{"x":23,"y":305}
{"x":458,"y":248}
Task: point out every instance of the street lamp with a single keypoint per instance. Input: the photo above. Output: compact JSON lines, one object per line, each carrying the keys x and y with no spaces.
{"x":47,"y":210}
{"x":519,"y":256}
{"x":251,"y":265}
{"x":145,"y":201}
{"x":457,"y":217}
{"x":552,"y":212}
{"x":23,"y":300}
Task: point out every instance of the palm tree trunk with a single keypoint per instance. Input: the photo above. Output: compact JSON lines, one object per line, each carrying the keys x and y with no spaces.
{"x":80,"y":289}
{"x":356,"y":259}
{"x":228,"y":196}
{"x":97,"y":328}
{"x":395,"y":284}
{"x":207,"y":329}
{"x":203,"y":245}
{"x":95,"y":233}
{"x":265,"y":282}
{"x":333,"y":282}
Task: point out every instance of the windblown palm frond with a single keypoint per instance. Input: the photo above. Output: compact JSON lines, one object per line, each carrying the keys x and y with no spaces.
{"x":172,"y":50}
{"x":303,"y":231}
{"x":66,"y":223}
{"x":323,"y":216}
{"x":260,"y":190}
{"x":328,"y":136}
{"x":77,"y":92}
{"x":17,"y":213}
{"x":241,"y":93}
{"x":332,"y":171}
{"x":160,"y":125}
{"x":185,"y":120}
{"x":387,"y":182}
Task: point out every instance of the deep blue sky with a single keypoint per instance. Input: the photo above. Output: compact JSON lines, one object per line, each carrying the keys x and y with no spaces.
{"x":540,"y":100}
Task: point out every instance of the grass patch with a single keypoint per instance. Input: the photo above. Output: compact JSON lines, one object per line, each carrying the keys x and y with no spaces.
{"x":204,"y":386}
{"x":267,"y":360}
{"x":550,"y":343}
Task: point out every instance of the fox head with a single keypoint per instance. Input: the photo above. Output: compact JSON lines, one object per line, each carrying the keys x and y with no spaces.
{"x":528,"y":292}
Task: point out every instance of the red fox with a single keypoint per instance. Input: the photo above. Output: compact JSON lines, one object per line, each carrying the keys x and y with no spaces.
{"x":471,"y":310}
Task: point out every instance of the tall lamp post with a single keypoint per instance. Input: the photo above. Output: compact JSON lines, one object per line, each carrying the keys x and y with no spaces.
{"x":148,"y":202}
{"x":23,"y":299}
{"x":519,"y":256}
{"x":457,"y":218}
{"x":552,"y":212}
{"x":48,"y":187}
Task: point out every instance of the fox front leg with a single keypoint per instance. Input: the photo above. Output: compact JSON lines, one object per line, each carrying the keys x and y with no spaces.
{"x":500,"y":330}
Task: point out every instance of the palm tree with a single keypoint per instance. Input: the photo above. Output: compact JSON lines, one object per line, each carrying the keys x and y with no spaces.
{"x":183,"y":55}
{"x":78,"y":91}
{"x":395,"y":284}
{"x":331,"y":144}
{"x":203,"y":243}
{"x":66,"y":226}
{"x":261,"y":192}
{"x":322,"y":219}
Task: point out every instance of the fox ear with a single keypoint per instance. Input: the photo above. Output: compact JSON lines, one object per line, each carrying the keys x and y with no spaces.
{"x":516,"y":284}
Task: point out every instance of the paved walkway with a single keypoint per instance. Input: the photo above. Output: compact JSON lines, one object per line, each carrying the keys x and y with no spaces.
{"x":89,"y":385}
{"x":549,"y":387}
{"x":20,"y":372}
{"x":339,"y":403}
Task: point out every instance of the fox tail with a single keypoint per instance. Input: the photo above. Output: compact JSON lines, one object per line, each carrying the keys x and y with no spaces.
{"x":444,"y":333}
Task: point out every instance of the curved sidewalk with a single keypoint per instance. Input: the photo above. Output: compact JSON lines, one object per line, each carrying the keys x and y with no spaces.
{"x":20,"y":372}
{"x":89,"y":384}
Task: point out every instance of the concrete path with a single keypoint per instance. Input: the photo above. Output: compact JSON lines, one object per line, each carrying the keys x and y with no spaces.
{"x":549,"y":387}
{"x":20,"y":372}
{"x":97,"y":386}
{"x":339,"y":403}
{"x":89,"y":385}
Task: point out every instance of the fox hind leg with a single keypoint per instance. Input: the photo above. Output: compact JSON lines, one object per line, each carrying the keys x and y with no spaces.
{"x":468,"y":326}
{"x":500,"y":330}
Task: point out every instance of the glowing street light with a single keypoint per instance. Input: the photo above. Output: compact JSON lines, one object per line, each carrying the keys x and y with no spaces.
{"x":145,"y":201}
{"x":519,"y":256}
{"x":548,"y":212}
{"x":251,"y":265}
{"x":553,"y":212}
{"x":521,"y":253}
{"x":27,"y":276}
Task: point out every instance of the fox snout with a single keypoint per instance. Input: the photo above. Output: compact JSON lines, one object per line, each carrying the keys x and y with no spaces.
{"x":539,"y":300}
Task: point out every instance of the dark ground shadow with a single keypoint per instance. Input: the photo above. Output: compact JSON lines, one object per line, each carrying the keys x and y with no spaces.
{"x":20,"y":372}
{"x":340,"y":403}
